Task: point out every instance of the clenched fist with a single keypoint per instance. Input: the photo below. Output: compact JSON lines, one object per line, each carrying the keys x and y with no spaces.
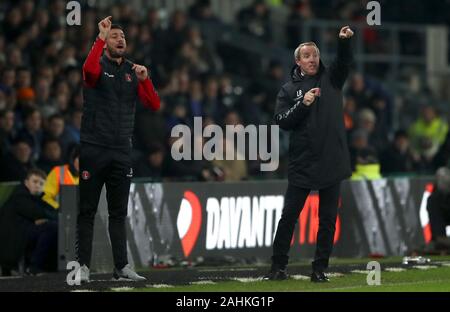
{"x":310,"y":96}
{"x":345,"y":32}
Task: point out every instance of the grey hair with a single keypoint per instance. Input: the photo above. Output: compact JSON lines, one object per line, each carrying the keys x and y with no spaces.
{"x":305,"y":44}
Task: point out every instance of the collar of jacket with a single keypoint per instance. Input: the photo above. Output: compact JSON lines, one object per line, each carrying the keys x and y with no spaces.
{"x":296,"y":75}
{"x":112,"y":62}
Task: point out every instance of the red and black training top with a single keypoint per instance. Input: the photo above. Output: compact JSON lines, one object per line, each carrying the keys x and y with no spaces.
{"x":110,"y":94}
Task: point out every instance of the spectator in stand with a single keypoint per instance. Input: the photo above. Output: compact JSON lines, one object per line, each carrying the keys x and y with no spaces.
{"x":15,"y":164}
{"x":151,"y":164}
{"x":74,"y":125}
{"x":67,"y":174}
{"x":206,"y":61}
{"x":51,"y":155}
{"x":3,"y":98}
{"x":23,"y":79}
{"x":363,"y":157}
{"x":56,"y":129}
{"x":191,"y":170}
{"x":367,"y":121}
{"x":398,"y":158}
{"x":255,"y":20}
{"x":212,"y":105}
{"x":175,"y":35}
{"x":300,"y":11}
{"x":428,"y":133}
{"x":369,"y":93}
{"x":233,"y":170}
{"x":7,"y":131}
{"x":32,"y":131}
{"x":43,"y":100}
{"x":349,"y":113}
{"x":202,"y":11}
{"x":8,"y":79}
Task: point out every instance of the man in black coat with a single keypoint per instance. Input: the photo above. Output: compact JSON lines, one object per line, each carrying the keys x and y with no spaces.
{"x":310,"y":107}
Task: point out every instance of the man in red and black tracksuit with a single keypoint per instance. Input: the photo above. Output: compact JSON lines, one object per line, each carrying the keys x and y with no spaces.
{"x":112,"y":85}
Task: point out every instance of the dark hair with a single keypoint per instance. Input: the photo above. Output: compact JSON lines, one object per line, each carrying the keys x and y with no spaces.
{"x":75,"y":111}
{"x":116,"y":26}
{"x":37,"y":172}
{"x":22,"y":139}
{"x":29,"y":112}
{"x":55,"y":116}
{"x":5,"y":111}
{"x":50,"y":140}
{"x":8,"y":68}
{"x":400,"y":133}
{"x":23,"y":68}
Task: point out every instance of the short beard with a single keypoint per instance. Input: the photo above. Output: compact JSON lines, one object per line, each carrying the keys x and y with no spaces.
{"x":114,"y":54}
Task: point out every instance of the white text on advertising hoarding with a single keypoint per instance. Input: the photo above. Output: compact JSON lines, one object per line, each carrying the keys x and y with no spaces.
{"x":242,"y":222}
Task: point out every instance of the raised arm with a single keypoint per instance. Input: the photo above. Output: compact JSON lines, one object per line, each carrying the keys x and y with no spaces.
{"x":340,"y":67}
{"x":91,"y":67}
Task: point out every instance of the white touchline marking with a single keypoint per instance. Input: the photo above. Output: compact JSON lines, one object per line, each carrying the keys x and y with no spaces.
{"x":247,"y":279}
{"x":334,"y":274}
{"x":300,"y":277}
{"x":395,"y":269}
{"x":360,"y":271}
{"x":205,"y":282}
{"x":425,"y":267}
{"x":160,"y":286}
{"x":228,"y":270}
{"x":82,"y":290}
{"x":122,"y":288}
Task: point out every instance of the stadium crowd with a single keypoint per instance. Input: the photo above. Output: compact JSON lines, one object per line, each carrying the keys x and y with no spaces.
{"x":41,"y":97}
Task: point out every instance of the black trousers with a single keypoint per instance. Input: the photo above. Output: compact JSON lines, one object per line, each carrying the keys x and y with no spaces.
{"x":293,"y":204}
{"x":42,"y":243}
{"x":438,"y":207}
{"x":111,"y":167}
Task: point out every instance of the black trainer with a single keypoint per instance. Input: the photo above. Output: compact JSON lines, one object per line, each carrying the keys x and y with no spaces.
{"x":319,"y":277}
{"x":276,"y":275}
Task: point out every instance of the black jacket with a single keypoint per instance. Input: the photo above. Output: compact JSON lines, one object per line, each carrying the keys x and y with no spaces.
{"x":16,"y":217}
{"x":318,"y":152}
{"x":109,"y":107}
